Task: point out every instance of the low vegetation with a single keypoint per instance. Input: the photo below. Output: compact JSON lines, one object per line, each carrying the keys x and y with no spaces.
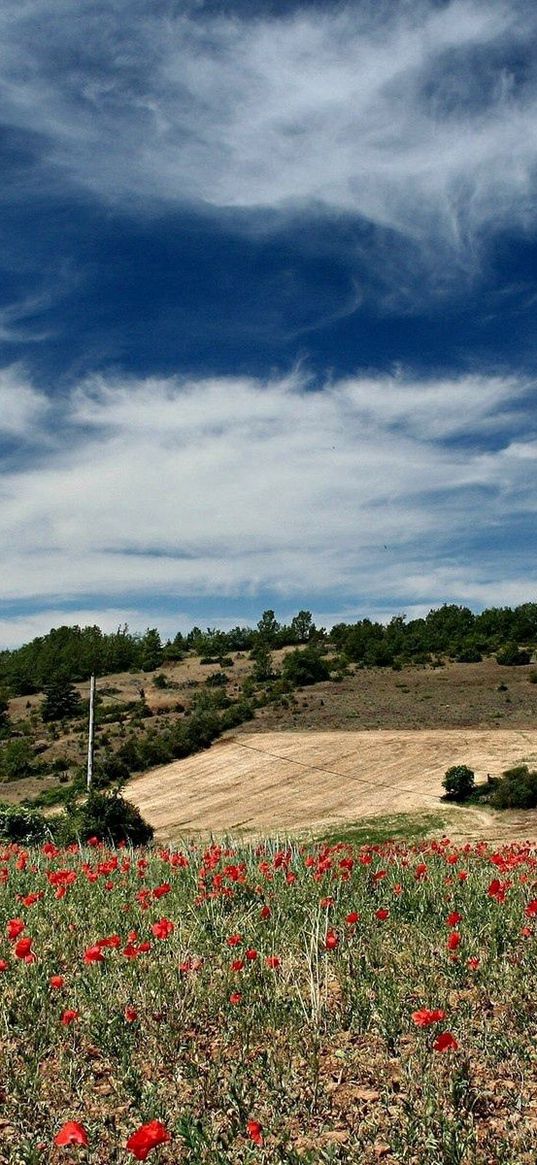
{"x":271,"y":1003}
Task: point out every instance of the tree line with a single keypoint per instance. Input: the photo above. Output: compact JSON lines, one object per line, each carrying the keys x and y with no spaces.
{"x":73,"y":653}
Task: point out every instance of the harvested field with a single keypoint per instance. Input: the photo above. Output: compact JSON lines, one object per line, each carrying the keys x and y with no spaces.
{"x":297,"y":781}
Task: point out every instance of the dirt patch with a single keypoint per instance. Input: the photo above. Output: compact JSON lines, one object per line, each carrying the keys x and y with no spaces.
{"x":288,"y":782}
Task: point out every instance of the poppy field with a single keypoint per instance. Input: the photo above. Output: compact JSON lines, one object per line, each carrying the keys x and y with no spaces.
{"x":266,"y":1003}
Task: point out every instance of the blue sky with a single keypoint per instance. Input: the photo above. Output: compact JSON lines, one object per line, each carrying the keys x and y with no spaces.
{"x":268,"y":300}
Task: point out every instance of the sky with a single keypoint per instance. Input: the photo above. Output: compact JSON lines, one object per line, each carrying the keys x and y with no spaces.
{"x":268,"y":305}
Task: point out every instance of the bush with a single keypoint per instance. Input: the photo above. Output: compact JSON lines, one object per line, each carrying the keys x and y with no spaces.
{"x":110,"y":818}
{"x":305,"y":667}
{"x":511,"y":656}
{"x":459,"y":783}
{"x":21,"y":824}
{"x":516,"y":790}
{"x":469,"y":655}
{"x":218,"y":679}
{"x":17,"y":760}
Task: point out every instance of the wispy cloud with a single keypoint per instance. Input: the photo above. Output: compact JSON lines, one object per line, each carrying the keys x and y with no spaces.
{"x":394,"y":490}
{"x":22,"y":407}
{"x":415,"y":118}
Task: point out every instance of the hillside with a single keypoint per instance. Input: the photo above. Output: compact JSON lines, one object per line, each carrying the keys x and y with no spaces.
{"x":500,"y":703}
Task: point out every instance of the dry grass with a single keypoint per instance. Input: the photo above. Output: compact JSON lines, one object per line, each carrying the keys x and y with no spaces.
{"x":280,"y":782}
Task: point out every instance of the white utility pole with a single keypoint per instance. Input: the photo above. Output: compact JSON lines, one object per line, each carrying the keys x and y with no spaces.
{"x":91,"y":733}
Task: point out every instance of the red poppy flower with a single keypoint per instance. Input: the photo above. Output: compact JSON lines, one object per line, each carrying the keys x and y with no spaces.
{"x":426,"y":1016}
{"x":23,"y":948}
{"x":160,"y":891}
{"x":473,"y":963}
{"x":130,"y":1014}
{"x":14,"y":928}
{"x":57,"y":981}
{"x":69,"y":1016}
{"x":454,"y":918}
{"x":146,"y":1138}
{"x":445,"y":1042}
{"x":331,"y":941}
{"x":234,"y":940}
{"x":237,"y":964}
{"x":273,"y":961}
{"x":382,"y":915}
{"x":453,"y":940}
{"x":526,"y":931}
{"x":255,"y":1132}
{"x":162,"y":929}
{"x":71,"y":1133}
{"x":531,"y":909}
{"x":235,"y":997}
{"x":265,"y":912}
{"x":251,"y":954}
{"x":93,"y":955}
{"x":352,"y":917}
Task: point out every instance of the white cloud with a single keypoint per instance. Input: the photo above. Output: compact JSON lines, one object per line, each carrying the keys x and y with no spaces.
{"x":23,"y":628}
{"x":21,"y":406}
{"x":406,"y":115}
{"x":230,"y":487}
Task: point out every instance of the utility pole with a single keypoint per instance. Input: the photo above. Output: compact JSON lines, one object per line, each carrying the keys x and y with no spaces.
{"x":91,"y":733}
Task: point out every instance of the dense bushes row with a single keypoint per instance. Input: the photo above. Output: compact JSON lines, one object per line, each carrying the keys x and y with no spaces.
{"x":108,"y":817}
{"x":516,"y":789}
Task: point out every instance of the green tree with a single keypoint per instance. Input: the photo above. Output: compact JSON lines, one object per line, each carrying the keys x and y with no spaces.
{"x":268,"y":627}
{"x":61,"y":701}
{"x":302,"y":627}
{"x":262,"y":657}
{"x":152,"y":650}
{"x":459,"y":782}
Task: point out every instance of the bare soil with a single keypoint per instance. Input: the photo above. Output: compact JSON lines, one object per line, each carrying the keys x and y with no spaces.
{"x":289,"y":782}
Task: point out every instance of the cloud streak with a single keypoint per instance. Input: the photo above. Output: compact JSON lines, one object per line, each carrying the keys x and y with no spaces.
{"x":412,"y":118}
{"x":386,"y":488}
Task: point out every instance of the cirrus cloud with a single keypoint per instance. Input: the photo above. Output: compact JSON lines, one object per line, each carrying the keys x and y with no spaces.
{"x":385,"y":491}
{"x":419,"y":118}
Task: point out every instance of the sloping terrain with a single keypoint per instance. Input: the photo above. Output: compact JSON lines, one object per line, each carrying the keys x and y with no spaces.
{"x":295,"y":781}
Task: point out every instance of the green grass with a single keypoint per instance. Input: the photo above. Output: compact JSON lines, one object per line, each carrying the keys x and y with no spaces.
{"x":376,"y":830}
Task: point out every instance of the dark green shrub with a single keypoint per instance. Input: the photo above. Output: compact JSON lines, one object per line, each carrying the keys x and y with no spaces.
{"x":459,"y":783}
{"x":305,"y":667}
{"x":516,"y":790}
{"x":218,"y":679}
{"x":20,"y":824}
{"x":160,"y":680}
{"x":110,"y":818}
{"x":469,"y":655}
{"x":17,"y":759}
{"x":512,"y":656}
